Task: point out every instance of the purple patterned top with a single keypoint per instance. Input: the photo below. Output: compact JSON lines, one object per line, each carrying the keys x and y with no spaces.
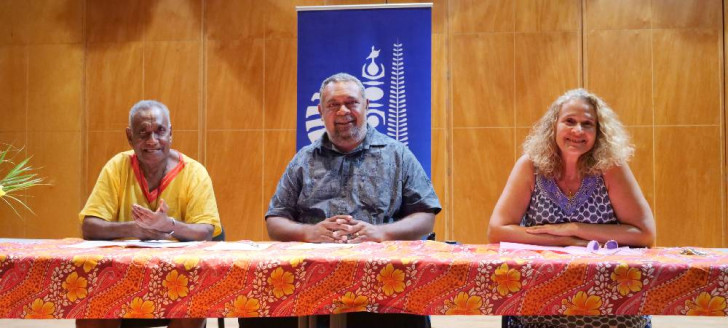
{"x":549,"y":205}
{"x":591,"y":204}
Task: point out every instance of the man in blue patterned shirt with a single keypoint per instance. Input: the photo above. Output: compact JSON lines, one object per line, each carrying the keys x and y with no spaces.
{"x":354,"y":184}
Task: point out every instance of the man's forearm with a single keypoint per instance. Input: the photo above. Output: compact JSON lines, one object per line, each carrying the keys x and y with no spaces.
{"x":283,"y":229}
{"x":412,"y":227}
{"x":191,"y":231}
{"x":94,"y":228}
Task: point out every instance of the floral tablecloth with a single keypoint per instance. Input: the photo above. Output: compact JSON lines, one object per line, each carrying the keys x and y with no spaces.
{"x":49,"y":280}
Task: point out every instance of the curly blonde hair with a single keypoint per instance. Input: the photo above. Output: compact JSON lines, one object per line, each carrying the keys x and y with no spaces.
{"x":612,"y":146}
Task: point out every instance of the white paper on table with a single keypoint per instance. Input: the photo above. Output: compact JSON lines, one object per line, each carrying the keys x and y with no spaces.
{"x":576,"y":250}
{"x":160,"y":243}
{"x":319,"y":246}
{"x":238,"y":246}
{"x":132,"y":243}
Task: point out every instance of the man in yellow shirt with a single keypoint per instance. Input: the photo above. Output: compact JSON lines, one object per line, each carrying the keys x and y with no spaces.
{"x":152,"y":192}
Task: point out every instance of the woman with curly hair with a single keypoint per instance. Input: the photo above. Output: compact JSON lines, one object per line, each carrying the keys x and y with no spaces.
{"x":571,"y":186}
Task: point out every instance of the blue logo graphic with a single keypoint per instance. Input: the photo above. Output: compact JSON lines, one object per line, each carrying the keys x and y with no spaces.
{"x":389,"y":50}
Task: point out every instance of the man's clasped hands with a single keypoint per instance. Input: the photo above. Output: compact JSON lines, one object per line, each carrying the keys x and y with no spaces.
{"x":344,"y":229}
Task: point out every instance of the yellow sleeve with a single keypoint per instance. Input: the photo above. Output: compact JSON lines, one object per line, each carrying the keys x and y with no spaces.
{"x":202,"y":207}
{"x":103,"y":202}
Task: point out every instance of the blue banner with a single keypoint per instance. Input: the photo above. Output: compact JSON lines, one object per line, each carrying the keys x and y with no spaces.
{"x":389,"y":50}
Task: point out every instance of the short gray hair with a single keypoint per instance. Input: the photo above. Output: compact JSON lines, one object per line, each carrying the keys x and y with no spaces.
{"x":342,"y":77}
{"x":148,"y":104}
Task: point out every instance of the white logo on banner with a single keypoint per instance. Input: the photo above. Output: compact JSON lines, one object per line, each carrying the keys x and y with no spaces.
{"x":397,"y":126}
{"x":372,"y":74}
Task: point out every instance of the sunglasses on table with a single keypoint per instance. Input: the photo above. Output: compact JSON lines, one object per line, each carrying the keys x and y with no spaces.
{"x":610,"y":247}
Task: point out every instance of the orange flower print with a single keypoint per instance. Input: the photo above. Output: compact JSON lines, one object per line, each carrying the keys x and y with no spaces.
{"x":245,"y":307}
{"x":140,"y":308}
{"x":176,"y":285}
{"x":628,"y":279}
{"x":392,"y":280}
{"x":282,"y":282}
{"x":188,"y":261}
{"x":464,"y":304}
{"x":408,"y":259}
{"x":485,"y":250}
{"x":141,"y":259}
{"x":76,"y":287}
{"x":351,"y":303}
{"x":706,"y":305}
{"x":41,"y":310}
{"x":508,"y":280}
{"x":582,"y":304}
{"x":88,"y":262}
{"x":295,"y":261}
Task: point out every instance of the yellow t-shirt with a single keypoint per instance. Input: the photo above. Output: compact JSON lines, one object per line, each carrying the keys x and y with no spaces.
{"x":189,"y":195}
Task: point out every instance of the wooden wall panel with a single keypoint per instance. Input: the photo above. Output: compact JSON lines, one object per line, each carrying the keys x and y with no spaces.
{"x":10,"y":20}
{"x":481,"y":165}
{"x":41,"y":21}
{"x":55,"y":75}
{"x":187,"y":142}
{"x":687,"y":189}
{"x":724,"y":138}
{"x":439,"y":13}
{"x":280,"y":83}
{"x":56,"y":206}
{"x":687,"y":13}
{"x":116,"y":21}
{"x":521,"y":135}
{"x":234,"y":19}
{"x":101,"y":147}
{"x":687,"y":55}
{"x":642,"y":164}
{"x":547,"y":15}
{"x":617,"y":14}
{"x":14,"y":138}
{"x":279,"y":146}
{"x":628,"y":90}
{"x":50,"y":21}
{"x":440,"y":80}
{"x":477,"y":16}
{"x":282,"y":18}
{"x":547,"y":65}
{"x":172,"y":76}
{"x":174,"y":20}
{"x":113,"y":83}
{"x":237,"y":180}
{"x":482,"y":80}
{"x":439,"y":177}
{"x":13,"y":87}
{"x":234,"y":84}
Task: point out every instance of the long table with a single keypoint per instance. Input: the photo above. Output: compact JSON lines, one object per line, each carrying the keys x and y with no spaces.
{"x":48,"y":279}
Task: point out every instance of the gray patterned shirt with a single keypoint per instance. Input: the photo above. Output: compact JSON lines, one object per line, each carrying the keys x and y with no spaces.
{"x":380,"y":181}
